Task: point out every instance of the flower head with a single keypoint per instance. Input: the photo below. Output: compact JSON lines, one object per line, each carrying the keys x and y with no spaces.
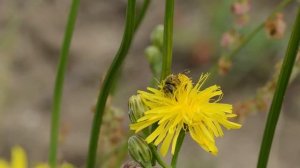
{"x":178,"y":105}
{"x":18,"y":159}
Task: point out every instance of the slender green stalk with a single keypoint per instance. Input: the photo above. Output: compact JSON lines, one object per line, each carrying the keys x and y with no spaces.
{"x":129,"y":31}
{"x":167,"y":61}
{"x":139,"y":19}
{"x":282,"y":84}
{"x":57,"y":96}
{"x":168,"y":39}
{"x":177,"y":149}
{"x":252,"y":34}
{"x":110,"y":77}
{"x":158,"y":157}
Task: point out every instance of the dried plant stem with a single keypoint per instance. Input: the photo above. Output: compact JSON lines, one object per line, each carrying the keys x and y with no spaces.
{"x":282,"y":84}
{"x":251,"y":35}
{"x":57,"y":96}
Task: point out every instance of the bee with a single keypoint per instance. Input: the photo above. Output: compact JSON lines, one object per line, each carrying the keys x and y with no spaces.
{"x":170,"y":84}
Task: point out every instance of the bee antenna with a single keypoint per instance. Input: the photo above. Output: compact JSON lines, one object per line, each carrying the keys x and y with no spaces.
{"x":156,"y":80}
{"x":186,"y":71}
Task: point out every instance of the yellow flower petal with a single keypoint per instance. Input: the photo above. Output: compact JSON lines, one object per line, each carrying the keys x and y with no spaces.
{"x":166,"y":144}
{"x":67,"y":165}
{"x":178,"y":129}
{"x":18,"y":158}
{"x":4,"y":164}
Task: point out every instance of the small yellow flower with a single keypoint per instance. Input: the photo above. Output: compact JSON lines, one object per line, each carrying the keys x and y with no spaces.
{"x":178,"y":104}
{"x":18,"y":159}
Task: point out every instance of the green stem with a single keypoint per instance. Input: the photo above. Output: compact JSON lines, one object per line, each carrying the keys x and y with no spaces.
{"x":252,"y":34}
{"x":168,"y":39}
{"x":167,"y":61}
{"x":57,"y":96}
{"x":158,"y":157}
{"x":177,"y":149}
{"x":282,"y":84}
{"x":139,"y":19}
{"x":109,"y":79}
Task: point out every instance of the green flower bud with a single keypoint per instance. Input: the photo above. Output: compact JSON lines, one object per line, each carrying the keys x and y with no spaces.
{"x":154,"y":57}
{"x":157,"y":36}
{"x":140,"y":151}
{"x":153,"y":54}
{"x":136,"y":108}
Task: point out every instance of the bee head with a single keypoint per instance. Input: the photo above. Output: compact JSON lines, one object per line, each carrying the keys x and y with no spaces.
{"x":170,"y":84}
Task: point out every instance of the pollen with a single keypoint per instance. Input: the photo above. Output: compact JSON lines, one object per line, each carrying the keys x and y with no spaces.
{"x":185,"y":106}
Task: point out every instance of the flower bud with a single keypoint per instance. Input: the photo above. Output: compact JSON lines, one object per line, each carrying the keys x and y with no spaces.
{"x":230,"y":38}
{"x":240,"y":8}
{"x":154,"y":57}
{"x":275,"y":27}
{"x":136,"y":108}
{"x":140,"y":151}
{"x":153,"y":54}
{"x":157,"y":36}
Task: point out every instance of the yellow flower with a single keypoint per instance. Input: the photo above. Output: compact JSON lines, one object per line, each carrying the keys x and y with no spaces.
{"x":19,"y":160}
{"x":178,"y":104}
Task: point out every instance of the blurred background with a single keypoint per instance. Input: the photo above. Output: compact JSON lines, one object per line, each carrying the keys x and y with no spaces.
{"x":31,"y":33}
